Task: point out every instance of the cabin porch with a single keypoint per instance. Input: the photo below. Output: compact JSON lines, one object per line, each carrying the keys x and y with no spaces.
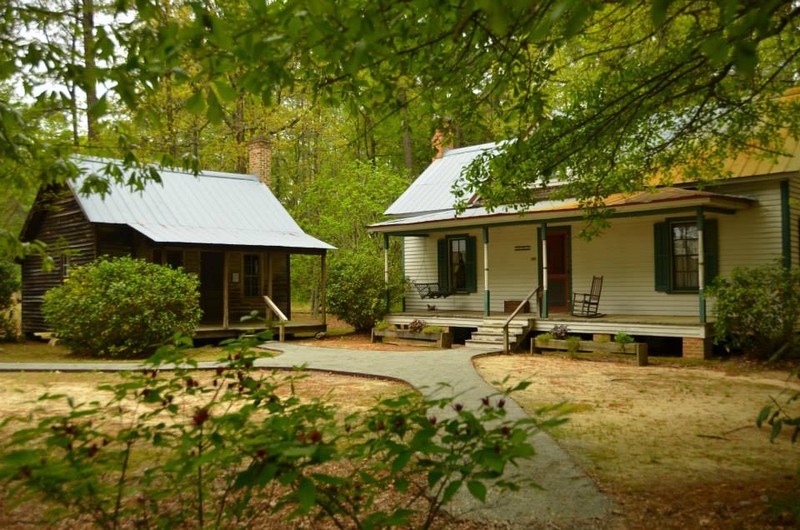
{"x":291,"y":328}
{"x":680,"y":334}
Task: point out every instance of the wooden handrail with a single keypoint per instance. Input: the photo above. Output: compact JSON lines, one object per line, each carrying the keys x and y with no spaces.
{"x":281,"y":317}
{"x":514,"y":314}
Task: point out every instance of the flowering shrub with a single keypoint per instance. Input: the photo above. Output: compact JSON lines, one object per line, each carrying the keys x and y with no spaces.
{"x":122,"y":307}
{"x":181,"y":449}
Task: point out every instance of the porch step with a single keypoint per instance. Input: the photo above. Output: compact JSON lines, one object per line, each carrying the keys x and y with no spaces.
{"x":490,"y":333}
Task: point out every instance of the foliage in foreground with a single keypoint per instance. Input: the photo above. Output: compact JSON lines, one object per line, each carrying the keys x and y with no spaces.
{"x":757,"y":309}
{"x":9,"y":284}
{"x":122,"y":307}
{"x":178,"y":448}
{"x":357,"y":290}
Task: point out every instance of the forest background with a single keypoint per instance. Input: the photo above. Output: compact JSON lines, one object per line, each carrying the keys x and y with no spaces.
{"x":602,"y":96}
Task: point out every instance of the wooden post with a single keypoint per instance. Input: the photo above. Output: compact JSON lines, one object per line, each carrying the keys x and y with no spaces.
{"x":268,"y":260}
{"x":225,"y":291}
{"x":544,"y":271}
{"x":386,"y":270}
{"x":486,"y":294}
{"x":324,"y":294}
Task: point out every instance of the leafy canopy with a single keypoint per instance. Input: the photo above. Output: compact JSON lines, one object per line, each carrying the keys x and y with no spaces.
{"x":601,"y":95}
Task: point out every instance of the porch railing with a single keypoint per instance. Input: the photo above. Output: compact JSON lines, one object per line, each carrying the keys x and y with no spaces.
{"x":282,"y":320}
{"x":514,"y":315}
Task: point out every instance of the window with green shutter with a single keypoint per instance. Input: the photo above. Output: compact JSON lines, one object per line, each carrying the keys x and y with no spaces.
{"x":457,"y":264}
{"x":676,"y":254}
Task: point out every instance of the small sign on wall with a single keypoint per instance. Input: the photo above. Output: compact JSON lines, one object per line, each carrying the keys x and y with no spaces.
{"x":522,"y":248}
{"x":234,"y":277}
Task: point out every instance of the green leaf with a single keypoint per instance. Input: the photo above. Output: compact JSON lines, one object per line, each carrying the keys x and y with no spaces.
{"x":306,"y":494}
{"x":477,"y":489}
{"x":196,"y":103}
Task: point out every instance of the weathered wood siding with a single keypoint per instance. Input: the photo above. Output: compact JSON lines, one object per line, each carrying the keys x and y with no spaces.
{"x":57,"y":220}
{"x":278,"y":263}
{"x":623,"y":255}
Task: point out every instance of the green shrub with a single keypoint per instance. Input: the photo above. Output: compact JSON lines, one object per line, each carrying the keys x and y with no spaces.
{"x":9,"y":284}
{"x":573,"y":345}
{"x":623,"y":339}
{"x":757,"y":309}
{"x":433,"y":329}
{"x":122,"y":307}
{"x":171,"y":449}
{"x":356,"y":289}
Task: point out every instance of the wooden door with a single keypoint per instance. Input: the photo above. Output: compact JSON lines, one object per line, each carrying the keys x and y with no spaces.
{"x":558,"y":273}
{"x":212,"y":265}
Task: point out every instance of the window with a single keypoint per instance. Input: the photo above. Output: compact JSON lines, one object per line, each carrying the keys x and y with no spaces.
{"x":676,"y":255}
{"x":174,"y":258}
{"x":684,"y":257}
{"x":251,"y":277}
{"x":65,"y":266}
{"x":457,"y":269}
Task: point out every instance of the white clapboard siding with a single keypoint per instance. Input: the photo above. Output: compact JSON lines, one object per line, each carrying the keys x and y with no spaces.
{"x":623,"y":254}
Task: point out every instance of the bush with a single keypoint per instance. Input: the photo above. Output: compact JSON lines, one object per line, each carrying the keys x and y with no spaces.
{"x":757,"y":310}
{"x":9,"y":284}
{"x":356,"y":289}
{"x":122,"y":307}
{"x":174,"y":449}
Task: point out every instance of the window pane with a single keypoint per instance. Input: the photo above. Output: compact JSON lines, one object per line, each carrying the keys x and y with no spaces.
{"x":684,"y":257}
{"x":251,"y":280}
{"x":458,"y":271}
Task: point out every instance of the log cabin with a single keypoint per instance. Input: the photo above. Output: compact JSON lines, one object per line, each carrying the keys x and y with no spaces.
{"x":228,"y":229}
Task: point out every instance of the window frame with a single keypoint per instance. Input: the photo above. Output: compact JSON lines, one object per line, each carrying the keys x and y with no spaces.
{"x":248,"y":276}
{"x":665,"y":254}
{"x":445,"y":263}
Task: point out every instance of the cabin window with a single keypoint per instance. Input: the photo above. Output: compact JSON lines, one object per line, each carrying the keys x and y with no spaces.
{"x":65,"y":266}
{"x":457,"y":272}
{"x":174,"y":258}
{"x":251,"y":277}
{"x":676,"y":255}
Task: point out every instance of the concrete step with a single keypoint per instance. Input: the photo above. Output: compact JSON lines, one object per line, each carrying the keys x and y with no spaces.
{"x":490,"y":338}
{"x":479,"y":344}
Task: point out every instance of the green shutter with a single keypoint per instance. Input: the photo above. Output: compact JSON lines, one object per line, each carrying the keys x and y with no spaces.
{"x":471,"y":265}
{"x":711,"y":249}
{"x":442,"y":258}
{"x":661,"y":240}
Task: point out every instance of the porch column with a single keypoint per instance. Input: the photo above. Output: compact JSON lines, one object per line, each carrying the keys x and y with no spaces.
{"x":268,"y":260}
{"x":386,"y":270}
{"x":225,"y":291}
{"x":701,"y":266}
{"x":323,"y":297}
{"x":486,"y":295}
{"x":544,"y":270}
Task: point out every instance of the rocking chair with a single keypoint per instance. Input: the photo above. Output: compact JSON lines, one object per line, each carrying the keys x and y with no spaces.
{"x":431,"y":290}
{"x":586,"y":304}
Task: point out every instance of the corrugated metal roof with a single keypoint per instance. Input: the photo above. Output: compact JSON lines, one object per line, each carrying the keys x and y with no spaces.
{"x":547,"y":209}
{"x":432,"y":190}
{"x":210,"y":208}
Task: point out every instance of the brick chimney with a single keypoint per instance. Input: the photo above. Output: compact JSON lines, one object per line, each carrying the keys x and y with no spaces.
{"x":259,"y":158}
{"x":441,"y":142}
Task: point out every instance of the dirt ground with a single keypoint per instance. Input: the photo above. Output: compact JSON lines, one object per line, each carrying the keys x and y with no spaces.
{"x":676,"y":446}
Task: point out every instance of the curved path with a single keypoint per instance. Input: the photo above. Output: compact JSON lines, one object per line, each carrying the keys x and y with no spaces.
{"x":569,"y":498}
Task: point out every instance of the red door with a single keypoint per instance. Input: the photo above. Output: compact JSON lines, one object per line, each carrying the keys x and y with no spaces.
{"x":558,"y":276}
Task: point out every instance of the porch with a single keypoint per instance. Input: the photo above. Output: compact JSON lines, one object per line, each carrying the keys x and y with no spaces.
{"x":292,"y":327}
{"x":692,"y":338}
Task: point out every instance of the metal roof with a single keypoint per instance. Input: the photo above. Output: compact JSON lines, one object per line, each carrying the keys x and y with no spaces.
{"x":549,"y":209}
{"x":211,"y":208}
{"x":432,"y":190}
